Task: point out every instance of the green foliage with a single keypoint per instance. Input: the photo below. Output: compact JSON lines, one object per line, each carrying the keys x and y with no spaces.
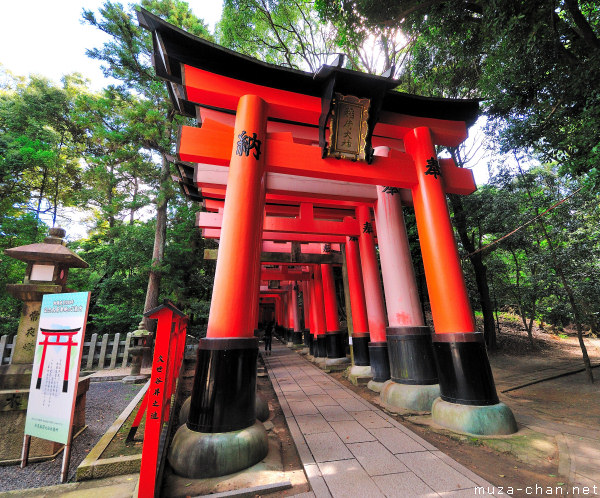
{"x":40,"y":144}
{"x":277,"y":32}
{"x":522,"y":273}
{"x":535,"y":64}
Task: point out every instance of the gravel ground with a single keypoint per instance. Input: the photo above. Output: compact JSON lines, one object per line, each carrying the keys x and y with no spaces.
{"x":105,"y":401}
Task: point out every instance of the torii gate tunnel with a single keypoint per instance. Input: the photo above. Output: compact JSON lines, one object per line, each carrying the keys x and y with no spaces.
{"x":260,"y":120}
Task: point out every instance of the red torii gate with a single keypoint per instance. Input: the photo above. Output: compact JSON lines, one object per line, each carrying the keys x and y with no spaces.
{"x":199,"y":73}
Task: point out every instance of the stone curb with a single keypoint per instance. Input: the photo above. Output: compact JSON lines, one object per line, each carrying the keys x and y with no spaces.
{"x":253,"y":491}
{"x":94,"y":467}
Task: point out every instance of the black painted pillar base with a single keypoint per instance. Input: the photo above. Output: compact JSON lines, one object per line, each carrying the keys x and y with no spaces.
{"x":297,"y":337}
{"x":307,"y":336}
{"x":335,"y":344}
{"x":321,"y":349}
{"x":224,"y":392}
{"x":360,"y":348}
{"x":410,"y":353}
{"x":464,"y":370}
{"x":312,"y":346}
{"x":468,"y":400}
{"x":380,"y":365}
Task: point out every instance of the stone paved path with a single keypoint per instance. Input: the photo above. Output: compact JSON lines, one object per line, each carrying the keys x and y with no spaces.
{"x":350,"y":448}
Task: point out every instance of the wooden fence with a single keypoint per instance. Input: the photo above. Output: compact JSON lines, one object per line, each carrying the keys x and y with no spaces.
{"x":105,"y":351}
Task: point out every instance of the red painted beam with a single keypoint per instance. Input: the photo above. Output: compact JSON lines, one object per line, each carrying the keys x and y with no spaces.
{"x":284,"y":275}
{"x":286,"y":247}
{"x":215,"y":233}
{"x":216,"y":205}
{"x":206,"y":145}
{"x":301,"y":225}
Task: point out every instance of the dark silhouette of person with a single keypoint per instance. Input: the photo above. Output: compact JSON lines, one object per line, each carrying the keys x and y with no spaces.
{"x":269,"y":337}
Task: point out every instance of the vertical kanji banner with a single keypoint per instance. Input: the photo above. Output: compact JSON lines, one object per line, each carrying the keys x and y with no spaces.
{"x":56,"y":364}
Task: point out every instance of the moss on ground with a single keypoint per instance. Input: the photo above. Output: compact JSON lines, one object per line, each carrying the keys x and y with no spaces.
{"x":118,"y":446}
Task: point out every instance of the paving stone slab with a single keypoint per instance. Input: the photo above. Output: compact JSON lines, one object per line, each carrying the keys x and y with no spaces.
{"x":334,"y":413}
{"x":480,"y":481}
{"x":353,"y":404}
{"x":296,"y":396}
{"x":339,"y":393}
{"x":434,"y":472}
{"x":288,"y":388}
{"x":327,"y":446}
{"x":348,"y":479}
{"x":405,"y":485}
{"x":313,"y":390}
{"x":313,"y":424}
{"x":370,"y":420}
{"x":395,"y":440}
{"x":376,"y":459}
{"x":350,"y":431}
{"x":303,"y":408}
{"x":323,"y":400}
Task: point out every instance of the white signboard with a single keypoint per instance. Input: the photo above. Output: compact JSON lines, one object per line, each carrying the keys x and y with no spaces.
{"x":55,"y":373}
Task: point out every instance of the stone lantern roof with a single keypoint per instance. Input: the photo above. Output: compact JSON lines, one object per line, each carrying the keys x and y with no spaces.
{"x":52,"y":250}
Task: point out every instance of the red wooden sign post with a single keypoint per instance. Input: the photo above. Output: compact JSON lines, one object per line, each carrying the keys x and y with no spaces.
{"x":169,"y":347}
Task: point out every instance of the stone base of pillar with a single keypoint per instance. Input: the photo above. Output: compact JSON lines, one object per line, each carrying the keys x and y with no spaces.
{"x":337,"y":364}
{"x":198,"y":455}
{"x":380,"y":365}
{"x":490,"y":420}
{"x":304,"y":351}
{"x":335,"y":344}
{"x":221,"y":435}
{"x":321,"y":349}
{"x":297,"y":338}
{"x":375,"y":386}
{"x":360,"y":374}
{"x":360,"y":348}
{"x":408,"y":397}
{"x":262,"y":408}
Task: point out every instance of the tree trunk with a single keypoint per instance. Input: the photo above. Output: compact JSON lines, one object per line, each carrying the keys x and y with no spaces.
{"x":489,"y":327}
{"x":160,"y":237}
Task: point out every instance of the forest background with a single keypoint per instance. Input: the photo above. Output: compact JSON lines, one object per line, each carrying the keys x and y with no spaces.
{"x":528,"y":238}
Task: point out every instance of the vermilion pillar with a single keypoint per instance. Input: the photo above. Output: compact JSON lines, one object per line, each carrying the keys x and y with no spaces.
{"x":286,"y":315}
{"x":297,"y":333}
{"x":316,"y":304}
{"x":306,"y":311}
{"x":460,"y":354}
{"x":409,"y":340}
{"x":335,"y":340}
{"x":373,"y":297}
{"x":360,"y":324}
{"x":223,"y":397}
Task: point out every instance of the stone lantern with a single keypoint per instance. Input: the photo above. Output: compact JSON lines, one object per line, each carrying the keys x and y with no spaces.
{"x":48,"y":266}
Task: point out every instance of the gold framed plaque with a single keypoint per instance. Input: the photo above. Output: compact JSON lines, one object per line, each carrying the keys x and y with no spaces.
{"x":349,"y":127}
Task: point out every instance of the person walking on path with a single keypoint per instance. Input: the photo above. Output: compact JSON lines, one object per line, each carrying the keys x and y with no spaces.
{"x":268,"y":337}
